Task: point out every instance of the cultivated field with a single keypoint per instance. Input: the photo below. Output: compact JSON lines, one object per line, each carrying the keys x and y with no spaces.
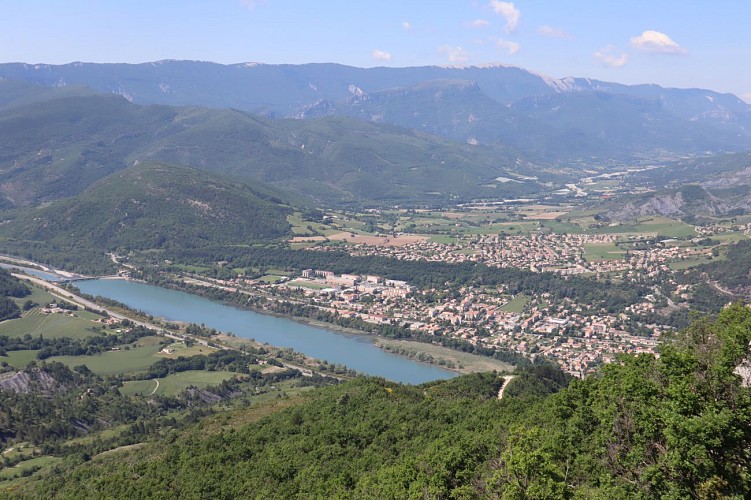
{"x":176,"y":383}
{"x":137,"y":358}
{"x":50,"y":326}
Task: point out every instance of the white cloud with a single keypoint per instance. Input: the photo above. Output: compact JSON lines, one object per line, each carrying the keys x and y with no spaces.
{"x":552,"y":32}
{"x":477,"y":23}
{"x":746,"y":97}
{"x":406,"y":26}
{"x":509,"y":12}
{"x":656,"y":43}
{"x":381,"y":55}
{"x":454,"y":54}
{"x":510,"y":48}
{"x":608,"y":56}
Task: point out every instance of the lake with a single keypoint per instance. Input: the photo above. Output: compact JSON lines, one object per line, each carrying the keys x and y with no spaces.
{"x":354,"y":351}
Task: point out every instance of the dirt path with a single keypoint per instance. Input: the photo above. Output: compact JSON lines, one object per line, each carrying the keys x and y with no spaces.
{"x":506,"y":380}
{"x":155,"y":388}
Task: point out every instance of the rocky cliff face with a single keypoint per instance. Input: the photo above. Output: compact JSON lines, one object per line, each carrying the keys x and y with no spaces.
{"x":26,"y":381}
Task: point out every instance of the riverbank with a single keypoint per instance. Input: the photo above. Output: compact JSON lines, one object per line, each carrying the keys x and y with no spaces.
{"x":424,"y":352}
{"x":335,"y":349}
{"x":460,"y":362}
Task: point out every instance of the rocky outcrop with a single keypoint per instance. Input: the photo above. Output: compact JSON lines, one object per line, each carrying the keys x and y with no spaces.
{"x":26,"y":381}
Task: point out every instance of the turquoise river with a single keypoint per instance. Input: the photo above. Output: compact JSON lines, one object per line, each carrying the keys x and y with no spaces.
{"x":354,"y":351}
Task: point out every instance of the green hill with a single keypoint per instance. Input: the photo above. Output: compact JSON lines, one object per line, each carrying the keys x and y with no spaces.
{"x":55,"y":146}
{"x":677,"y":426}
{"x":145,"y":207}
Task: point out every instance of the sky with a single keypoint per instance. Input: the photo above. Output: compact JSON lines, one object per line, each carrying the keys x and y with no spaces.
{"x":675,"y":43}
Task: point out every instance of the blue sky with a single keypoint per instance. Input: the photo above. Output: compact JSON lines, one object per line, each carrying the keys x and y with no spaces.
{"x":689,"y":43}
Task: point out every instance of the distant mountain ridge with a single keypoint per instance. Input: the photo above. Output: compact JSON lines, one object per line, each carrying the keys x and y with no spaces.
{"x":56,"y":143}
{"x":545,"y":110}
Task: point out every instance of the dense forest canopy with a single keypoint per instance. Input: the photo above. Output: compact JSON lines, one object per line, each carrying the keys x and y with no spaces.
{"x":673,"y":426}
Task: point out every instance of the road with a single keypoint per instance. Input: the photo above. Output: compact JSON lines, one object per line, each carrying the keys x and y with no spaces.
{"x":506,"y":380}
{"x":80,"y":301}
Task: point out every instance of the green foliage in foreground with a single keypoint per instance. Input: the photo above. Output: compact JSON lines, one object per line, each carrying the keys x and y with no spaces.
{"x":677,"y":426}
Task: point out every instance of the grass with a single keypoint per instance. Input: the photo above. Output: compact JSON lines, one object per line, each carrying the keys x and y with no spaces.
{"x":38,"y":295}
{"x":563,"y":227}
{"x":308,"y":284}
{"x":680,"y":265}
{"x":191,"y":268}
{"x":271,"y":278}
{"x":26,"y":465}
{"x":19,"y":359}
{"x":20,"y":450}
{"x":53,"y":325}
{"x":182,"y":350}
{"x":662,"y":226}
{"x":176,"y":383}
{"x":443,"y":239}
{"x":464,"y":362}
{"x":116,"y":362}
{"x":730,"y":237}
{"x":604,"y":251}
{"x":516,"y":305}
{"x":300,"y":227}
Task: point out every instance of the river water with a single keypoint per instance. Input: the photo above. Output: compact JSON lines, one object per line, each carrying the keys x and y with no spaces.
{"x":34,"y":272}
{"x":354,"y":351}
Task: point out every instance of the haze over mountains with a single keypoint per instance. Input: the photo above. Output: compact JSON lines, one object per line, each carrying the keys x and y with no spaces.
{"x":536,"y":117}
{"x":57,"y":142}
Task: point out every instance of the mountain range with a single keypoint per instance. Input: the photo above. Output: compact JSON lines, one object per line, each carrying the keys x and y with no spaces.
{"x":55,"y":142}
{"x":536,"y":117}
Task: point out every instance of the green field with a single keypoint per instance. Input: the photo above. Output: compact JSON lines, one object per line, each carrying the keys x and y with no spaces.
{"x":41,"y":297}
{"x":517,"y":304}
{"x":27,"y":465}
{"x":176,"y":383}
{"x":606,"y":251}
{"x":271,"y":278}
{"x":679,"y":265}
{"x":662,"y":226}
{"x":116,"y":362}
{"x":308,"y":284}
{"x":54,"y":325}
{"x":443,"y":239}
{"x":563,"y":227}
{"x":19,"y":359}
{"x":464,"y":362}
{"x":730,"y":237}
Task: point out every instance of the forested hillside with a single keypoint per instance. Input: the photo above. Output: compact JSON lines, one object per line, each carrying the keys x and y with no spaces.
{"x":56,"y":144}
{"x":677,"y":426}
{"x":145,"y":207}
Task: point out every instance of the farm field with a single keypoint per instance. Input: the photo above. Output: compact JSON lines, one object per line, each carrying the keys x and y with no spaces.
{"x":176,"y":383}
{"x":652,"y":226}
{"x":181,"y":349}
{"x":116,"y":362}
{"x":19,"y":359}
{"x":606,"y":251}
{"x":50,"y":326}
